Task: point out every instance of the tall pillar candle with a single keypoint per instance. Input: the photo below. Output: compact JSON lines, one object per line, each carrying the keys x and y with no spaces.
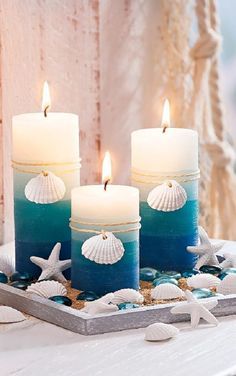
{"x":42,"y":207}
{"x":98,"y":265}
{"x":160,"y":156}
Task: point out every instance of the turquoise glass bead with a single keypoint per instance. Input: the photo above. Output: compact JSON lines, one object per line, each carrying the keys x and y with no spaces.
{"x":147,"y":274}
{"x":3,"y":278}
{"x":61,"y":300}
{"x":202,"y":293}
{"x":161,"y":280}
{"x":226,"y":272}
{"x":24,"y":277}
{"x":123,"y":306}
{"x":170,"y":273}
{"x":20,"y":285}
{"x":89,"y":296}
{"x":215,"y":270}
{"x":222,"y":275}
{"x":190,"y":273}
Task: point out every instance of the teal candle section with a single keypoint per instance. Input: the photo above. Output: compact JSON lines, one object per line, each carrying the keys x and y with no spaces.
{"x":38,"y":227}
{"x":87,"y":275}
{"x":166,"y":235}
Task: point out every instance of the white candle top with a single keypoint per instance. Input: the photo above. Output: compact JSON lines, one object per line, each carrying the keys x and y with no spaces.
{"x":36,"y":138}
{"x":172,"y":151}
{"x":118,"y":203}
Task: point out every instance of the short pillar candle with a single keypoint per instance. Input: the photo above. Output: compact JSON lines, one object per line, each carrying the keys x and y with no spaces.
{"x":159,"y":155}
{"x":49,"y":144}
{"x":115,"y":210}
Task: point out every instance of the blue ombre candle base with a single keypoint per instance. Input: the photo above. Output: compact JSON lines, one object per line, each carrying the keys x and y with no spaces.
{"x":166,"y":235}
{"x":38,"y":227}
{"x":87,"y":275}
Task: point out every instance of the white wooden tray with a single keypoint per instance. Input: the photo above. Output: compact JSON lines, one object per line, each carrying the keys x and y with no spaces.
{"x":79,"y":322}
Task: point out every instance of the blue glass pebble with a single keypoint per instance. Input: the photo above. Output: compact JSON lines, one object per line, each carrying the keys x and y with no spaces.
{"x":61,"y":300}
{"x":161,"y":280}
{"x":215,"y":270}
{"x":89,"y":296}
{"x":20,"y":285}
{"x":222,"y":275}
{"x":190,"y":273}
{"x":123,"y":306}
{"x":170,"y":273}
{"x":226,"y":272}
{"x":24,"y":277}
{"x":3,"y":278}
{"x":202,"y":293}
{"x":148,"y":274}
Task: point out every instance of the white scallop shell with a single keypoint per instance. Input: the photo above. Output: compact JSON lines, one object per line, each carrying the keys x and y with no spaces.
{"x":169,"y":196}
{"x":100,"y":306}
{"x":47,"y":289}
{"x":10,"y":315}
{"x":205,"y":280}
{"x":228,"y":285}
{"x":45,"y":188}
{"x":160,"y":332}
{"x":127,"y":296}
{"x":103,"y":248}
{"x":7,"y":265}
{"x":166,"y":291}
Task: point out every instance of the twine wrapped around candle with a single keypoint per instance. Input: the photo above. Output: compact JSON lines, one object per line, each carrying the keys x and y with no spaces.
{"x":19,"y":166}
{"x":140,"y":176}
{"x":102,"y":225}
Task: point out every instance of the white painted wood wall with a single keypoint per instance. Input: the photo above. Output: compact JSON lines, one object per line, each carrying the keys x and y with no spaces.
{"x":106,"y":60}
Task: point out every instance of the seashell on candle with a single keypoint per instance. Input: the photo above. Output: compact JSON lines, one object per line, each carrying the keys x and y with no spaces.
{"x":169,"y":196}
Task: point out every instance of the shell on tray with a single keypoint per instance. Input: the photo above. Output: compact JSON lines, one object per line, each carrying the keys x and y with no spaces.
{"x":127,"y":296}
{"x":99,"y":306}
{"x":169,"y":196}
{"x":104,"y":248}
{"x":205,"y":280}
{"x":228,"y":285}
{"x":160,"y":332}
{"x":7,"y":265}
{"x":47,"y":289}
{"x":10,"y":315}
{"x":45,"y":188}
{"x":166,"y":291}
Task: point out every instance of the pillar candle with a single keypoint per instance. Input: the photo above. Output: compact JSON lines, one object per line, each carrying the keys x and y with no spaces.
{"x":50,"y":144}
{"x":115,"y":210}
{"x":158,"y":156}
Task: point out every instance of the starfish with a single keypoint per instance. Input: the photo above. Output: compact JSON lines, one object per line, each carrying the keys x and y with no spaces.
{"x":53,"y":267}
{"x":206,"y":250}
{"x":230,"y":261}
{"x":197,"y":309}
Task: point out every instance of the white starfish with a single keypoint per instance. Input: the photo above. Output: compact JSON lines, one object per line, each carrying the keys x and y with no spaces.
{"x":53,"y":267}
{"x":230,"y":261}
{"x":206,"y":250}
{"x":197,"y":309}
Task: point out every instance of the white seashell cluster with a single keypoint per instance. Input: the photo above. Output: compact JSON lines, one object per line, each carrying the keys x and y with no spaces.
{"x":166,"y":291}
{"x":205,"y":280}
{"x":102,"y":305}
{"x":127,"y":296}
{"x":228,"y":285}
{"x":160,"y":332}
{"x":7,"y":265}
{"x":104,"y":248}
{"x":45,"y":188}
{"x":169,"y":196}
{"x":47,"y":289}
{"x":10,"y":315}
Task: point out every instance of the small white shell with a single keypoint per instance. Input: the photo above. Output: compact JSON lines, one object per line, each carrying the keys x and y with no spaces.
{"x":127,"y":296}
{"x":228,"y":285}
{"x":166,"y":291}
{"x":169,"y":196}
{"x":47,"y":289}
{"x":7,"y":265}
{"x":45,"y":188}
{"x":103,"y":248}
{"x":99,"y":306}
{"x":205,"y":280}
{"x":10,"y":315}
{"x":160,"y":332}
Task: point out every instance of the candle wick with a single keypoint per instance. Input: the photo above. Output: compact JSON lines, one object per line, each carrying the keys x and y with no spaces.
{"x":105,"y":184}
{"x":45,"y":111}
{"x":104,"y":235}
{"x":164,"y":128}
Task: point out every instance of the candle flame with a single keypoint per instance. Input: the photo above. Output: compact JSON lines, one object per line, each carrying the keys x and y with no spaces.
{"x":106,"y":169}
{"x":46,"y":101}
{"x":166,"y":115}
